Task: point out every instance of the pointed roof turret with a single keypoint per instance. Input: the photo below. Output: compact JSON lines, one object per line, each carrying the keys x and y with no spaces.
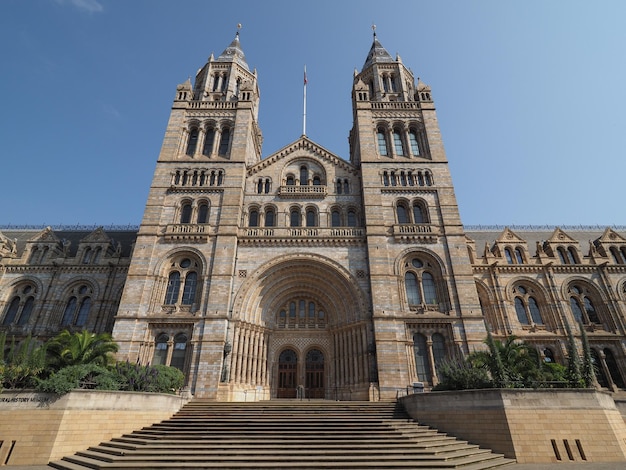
{"x":377,"y":53}
{"x":234,"y":53}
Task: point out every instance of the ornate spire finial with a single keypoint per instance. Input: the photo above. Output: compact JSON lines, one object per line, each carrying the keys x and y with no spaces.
{"x":374,"y":29}
{"x":238,"y":28}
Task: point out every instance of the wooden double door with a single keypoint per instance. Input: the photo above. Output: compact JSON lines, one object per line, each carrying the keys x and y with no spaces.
{"x":297,"y":382}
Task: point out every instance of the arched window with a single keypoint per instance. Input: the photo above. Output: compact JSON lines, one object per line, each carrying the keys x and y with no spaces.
{"x":419,"y":214}
{"x":304,"y":175}
{"x":317,"y":181}
{"x":224,"y":142}
{"x":339,"y":186}
{"x":548,"y":356}
{"x":270,"y":217}
{"x":572,"y":256}
{"x":203,"y":213}
{"x":311,"y":218}
{"x":96,"y":255}
{"x":209,"y":140}
{"x":518,"y":256}
{"x":160,"y":350}
{"x":335,"y":218}
{"x":382,"y":142}
{"x":294,"y":217}
{"x":68,"y":314}
{"x":412,"y":289}
{"x":351,"y":218}
{"x":520,"y":310}
{"x":192,"y":143}
{"x":567,"y":256}
{"x":422,"y":364}
{"x":11,"y":313}
{"x":508,"y":256}
{"x":420,"y":283}
{"x":346,"y":187}
{"x":189,"y":289}
{"x":402,"y":214}
{"x":385,"y":178}
{"x":291,"y":181}
{"x":185,"y":213}
{"x":617,"y":257}
{"x":397,"y":143}
{"x":179,"y":352}
{"x":173,"y":286}
{"x":184,"y":274}
{"x":439,"y":350}
{"x":83,"y":312}
{"x":611,"y":364}
{"x":87,"y":256}
{"x":77,"y":308}
{"x":428,"y":285}
{"x":253,"y":218}
{"x":413,"y":140}
{"x":526,"y":306}
{"x":581,"y":304}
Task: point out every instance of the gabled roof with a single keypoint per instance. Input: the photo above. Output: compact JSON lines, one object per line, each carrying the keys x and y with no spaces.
{"x":611,"y":236}
{"x":303,"y":143}
{"x":509,"y":236}
{"x":559,"y":236}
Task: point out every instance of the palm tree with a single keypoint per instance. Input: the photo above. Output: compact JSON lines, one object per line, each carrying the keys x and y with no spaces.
{"x":68,"y":349}
{"x":510,"y":362}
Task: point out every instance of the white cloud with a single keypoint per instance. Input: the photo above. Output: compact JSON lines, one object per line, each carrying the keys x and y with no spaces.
{"x":92,"y":6}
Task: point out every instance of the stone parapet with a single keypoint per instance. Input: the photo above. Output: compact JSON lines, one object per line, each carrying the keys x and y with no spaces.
{"x":532,"y":426}
{"x":36,"y":428}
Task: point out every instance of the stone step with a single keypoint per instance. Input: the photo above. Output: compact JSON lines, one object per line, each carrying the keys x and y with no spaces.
{"x":285,"y":435}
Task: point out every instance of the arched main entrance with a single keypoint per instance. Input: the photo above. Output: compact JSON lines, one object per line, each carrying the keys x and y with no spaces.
{"x":315,"y":374}
{"x":287,"y":374}
{"x":301,"y":323}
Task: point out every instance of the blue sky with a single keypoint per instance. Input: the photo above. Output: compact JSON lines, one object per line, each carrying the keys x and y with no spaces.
{"x":530,"y":96}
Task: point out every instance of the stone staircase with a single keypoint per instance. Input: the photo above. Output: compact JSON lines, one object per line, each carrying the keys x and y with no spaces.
{"x":285,"y":434}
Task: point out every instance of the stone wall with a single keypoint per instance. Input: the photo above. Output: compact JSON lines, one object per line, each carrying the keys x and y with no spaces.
{"x":36,"y":428}
{"x":532,"y":426}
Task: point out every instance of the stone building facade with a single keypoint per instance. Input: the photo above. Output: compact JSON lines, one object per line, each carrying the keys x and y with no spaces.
{"x":303,"y":271}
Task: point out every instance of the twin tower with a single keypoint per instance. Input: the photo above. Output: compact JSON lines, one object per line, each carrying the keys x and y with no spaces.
{"x":301,"y":272}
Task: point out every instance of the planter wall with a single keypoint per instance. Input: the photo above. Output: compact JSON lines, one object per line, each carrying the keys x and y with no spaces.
{"x":532,"y":426}
{"x":38,"y":427}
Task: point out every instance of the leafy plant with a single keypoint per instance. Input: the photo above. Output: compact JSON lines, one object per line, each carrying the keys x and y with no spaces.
{"x":80,"y":376}
{"x":159,"y":379}
{"x":23,"y":362}
{"x":459,"y":374}
{"x":68,"y":349}
{"x":574,"y":374}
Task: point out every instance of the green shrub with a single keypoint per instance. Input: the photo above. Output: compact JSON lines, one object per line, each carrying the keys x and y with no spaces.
{"x":158,"y":379}
{"x":23,"y":362}
{"x":461,"y":375}
{"x":81,"y":376}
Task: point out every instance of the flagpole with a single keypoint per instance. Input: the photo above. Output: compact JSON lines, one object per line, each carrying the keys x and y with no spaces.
{"x":304,"y":105}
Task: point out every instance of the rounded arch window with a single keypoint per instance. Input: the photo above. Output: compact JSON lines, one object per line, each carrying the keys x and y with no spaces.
{"x":526,"y":306}
{"x":582,"y":306}
{"x":203,"y":213}
{"x":21,"y":306}
{"x":192,"y":143}
{"x":161,"y":347}
{"x":294,"y":217}
{"x":182,"y":282}
{"x":77,"y":306}
{"x":270,"y":217}
{"x":185,"y":212}
{"x":422,"y":284}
